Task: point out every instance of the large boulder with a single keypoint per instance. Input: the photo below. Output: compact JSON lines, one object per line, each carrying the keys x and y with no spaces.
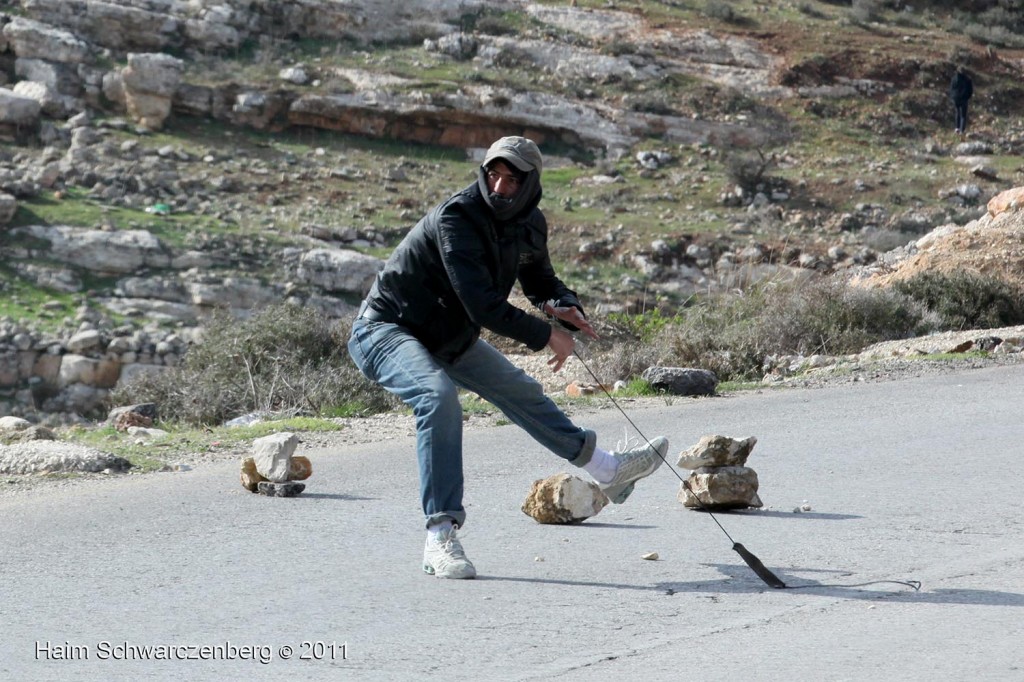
{"x":13,"y":424}
{"x":237,"y":293}
{"x":100,"y":251}
{"x":338,"y":270}
{"x":149,"y":82}
{"x":681,"y":380}
{"x":118,"y":24}
{"x":18,"y":110}
{"x":137,"y":372}
{"x":8,"y":207}
{"x":33,"y":39}
{"x":48,"y":103}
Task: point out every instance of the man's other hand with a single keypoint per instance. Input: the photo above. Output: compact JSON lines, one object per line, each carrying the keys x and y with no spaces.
{"x":561,"y":344}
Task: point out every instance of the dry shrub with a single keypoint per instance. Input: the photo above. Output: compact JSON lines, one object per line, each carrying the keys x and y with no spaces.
{"x":748,"y":169}
{"x":734,"y":334}
{"x":966,"y":300}
{"x":286,"y":359}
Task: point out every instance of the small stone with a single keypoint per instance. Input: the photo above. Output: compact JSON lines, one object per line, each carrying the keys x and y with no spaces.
{"x":288,"y":489}
{"x":147,"y":410}
{"x":650,"y":556}
{"x":578,"y":390}
{"x":143,"y":433}
{"x":299,"y":468}
{"x":681,"y":380}
{"x":538,"y":558}
{"x":249,"y":476}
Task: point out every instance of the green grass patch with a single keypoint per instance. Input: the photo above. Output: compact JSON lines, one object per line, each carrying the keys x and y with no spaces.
{"x":739,"y":386}
{"x":75,"y":208}
{"x":637,"y":388}
{"x":152,"y":454}
{"x":70,"y":207}
{"x":353,"y":408}
{"x":23,"y":300}
{"x":645,"y":326}
{"x":950,"y":357}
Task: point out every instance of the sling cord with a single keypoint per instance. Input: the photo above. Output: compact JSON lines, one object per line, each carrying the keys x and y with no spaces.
{"x":748,"y":557}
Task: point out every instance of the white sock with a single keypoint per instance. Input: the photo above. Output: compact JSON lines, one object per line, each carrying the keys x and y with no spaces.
{"x":602,"y":466}
{"x":440,"y":527}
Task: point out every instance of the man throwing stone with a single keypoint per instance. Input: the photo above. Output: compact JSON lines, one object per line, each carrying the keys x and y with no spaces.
{"x":418,"y":335}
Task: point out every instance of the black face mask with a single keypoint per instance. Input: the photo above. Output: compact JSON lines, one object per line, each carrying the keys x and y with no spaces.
{"x":522,"y":201}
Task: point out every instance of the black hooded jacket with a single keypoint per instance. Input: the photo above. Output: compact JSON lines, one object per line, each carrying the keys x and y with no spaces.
{"x":961,"y":87}
{"x":453,"y":272}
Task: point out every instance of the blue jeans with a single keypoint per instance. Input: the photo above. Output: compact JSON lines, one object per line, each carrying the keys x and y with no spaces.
{"x":388,"y":354}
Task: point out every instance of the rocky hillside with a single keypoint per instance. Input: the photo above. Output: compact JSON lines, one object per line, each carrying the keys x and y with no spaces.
{"x":164,"y":159}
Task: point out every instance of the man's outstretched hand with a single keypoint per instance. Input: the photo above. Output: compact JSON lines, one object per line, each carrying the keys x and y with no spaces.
{"x":561,"y":342}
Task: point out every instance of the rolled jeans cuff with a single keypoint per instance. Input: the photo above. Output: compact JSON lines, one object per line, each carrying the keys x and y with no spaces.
{"x":458,"y":518}
{"x":587,"y":451}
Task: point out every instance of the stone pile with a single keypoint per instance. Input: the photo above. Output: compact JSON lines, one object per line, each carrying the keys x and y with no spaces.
{"x":274,"y":470}
{"x":563,"y":498}
{"x":720,"y":478}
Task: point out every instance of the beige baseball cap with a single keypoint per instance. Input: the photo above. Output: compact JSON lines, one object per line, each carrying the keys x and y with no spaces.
{"x":519,"y":151}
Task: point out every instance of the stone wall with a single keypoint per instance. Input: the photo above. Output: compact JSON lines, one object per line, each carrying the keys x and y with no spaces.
{"x":71,"y":374}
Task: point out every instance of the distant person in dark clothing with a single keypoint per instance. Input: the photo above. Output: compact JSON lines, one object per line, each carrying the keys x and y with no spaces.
{"x":960,"y":90}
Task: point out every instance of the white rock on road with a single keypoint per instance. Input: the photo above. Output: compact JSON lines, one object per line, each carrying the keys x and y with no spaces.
{"x":47,"y":456}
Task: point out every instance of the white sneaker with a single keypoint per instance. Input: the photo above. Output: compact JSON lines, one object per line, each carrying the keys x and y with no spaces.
{"x":633,"y":465}
{"x":444,"y":557}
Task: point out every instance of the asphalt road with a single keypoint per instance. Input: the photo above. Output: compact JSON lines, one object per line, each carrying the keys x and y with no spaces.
{"x":910,"y":480}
